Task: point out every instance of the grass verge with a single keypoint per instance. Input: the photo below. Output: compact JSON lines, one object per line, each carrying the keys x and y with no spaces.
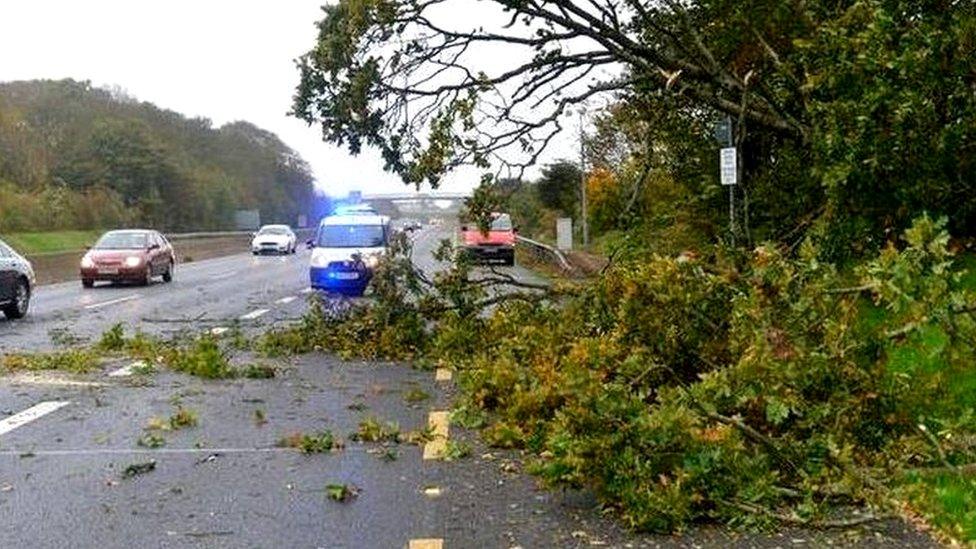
{"x":51,"y":242}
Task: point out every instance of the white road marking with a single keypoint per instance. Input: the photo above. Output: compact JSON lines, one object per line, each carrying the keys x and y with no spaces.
{"x":218,"y":330}
{"x":111,"y":302}
{"x":30,"y":414}
{"x":127,"y":370}
{"x":286,"y":300}
{"x":308,"y":291}
{"x":254,"y":314}
{"x":158,"y":451}
{"x":48,"y":379}
{"x":223,"y":275}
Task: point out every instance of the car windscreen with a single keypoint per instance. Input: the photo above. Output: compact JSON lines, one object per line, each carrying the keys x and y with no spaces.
{"x":351,"y":236}
{"x":123,"y":241}
{"x":274,"y":230}
{"x":501,"y":223}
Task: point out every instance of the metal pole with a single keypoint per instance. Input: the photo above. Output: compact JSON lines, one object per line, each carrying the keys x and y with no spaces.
{"x":732,"y":213}
{"x":585,"y":223}
{"x":734,"y":143}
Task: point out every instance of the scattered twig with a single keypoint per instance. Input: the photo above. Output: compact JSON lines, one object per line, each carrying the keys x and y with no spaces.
{"x":851,"y":290}
{"x":797,"y":521}
{"x":935,"y":444}
{"x":139,"y":469}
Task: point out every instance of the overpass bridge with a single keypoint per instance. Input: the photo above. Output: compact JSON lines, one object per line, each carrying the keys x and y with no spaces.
{"x":415,"y":204}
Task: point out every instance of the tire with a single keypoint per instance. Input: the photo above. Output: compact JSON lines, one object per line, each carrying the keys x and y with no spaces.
{"x":18,"y":309}
{"x":87,"y":283}
{"x":168,"y":275}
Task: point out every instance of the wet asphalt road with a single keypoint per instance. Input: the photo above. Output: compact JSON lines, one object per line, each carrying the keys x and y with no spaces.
{"x":225,"y":483}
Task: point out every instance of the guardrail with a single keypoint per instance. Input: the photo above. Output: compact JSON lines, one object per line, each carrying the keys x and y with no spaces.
{"x":542,"y":249}
{"x":222,"y":234}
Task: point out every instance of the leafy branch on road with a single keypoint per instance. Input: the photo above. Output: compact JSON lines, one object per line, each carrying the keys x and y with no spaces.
{"x":202,"y":355}
{"x":407,"y":304}
{"x":744,"y":390}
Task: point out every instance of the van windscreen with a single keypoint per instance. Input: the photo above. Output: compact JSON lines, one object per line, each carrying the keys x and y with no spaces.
{"x":351,"y":236}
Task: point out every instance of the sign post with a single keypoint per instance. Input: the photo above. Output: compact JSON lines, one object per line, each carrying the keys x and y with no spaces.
{"x":729,"y":171}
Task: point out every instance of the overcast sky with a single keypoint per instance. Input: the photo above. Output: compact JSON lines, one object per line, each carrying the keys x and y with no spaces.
{"x":221,"y":59}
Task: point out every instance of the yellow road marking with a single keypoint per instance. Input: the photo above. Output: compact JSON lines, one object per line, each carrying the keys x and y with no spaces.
{"x":442,"y":374}
{"x":438,"y":423}
{"x":430,"y":543}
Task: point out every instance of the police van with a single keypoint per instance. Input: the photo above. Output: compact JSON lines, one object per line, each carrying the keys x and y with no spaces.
{"x":345,"y":250}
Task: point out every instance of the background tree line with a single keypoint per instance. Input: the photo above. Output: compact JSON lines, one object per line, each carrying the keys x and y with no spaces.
{"x":73,"y":156}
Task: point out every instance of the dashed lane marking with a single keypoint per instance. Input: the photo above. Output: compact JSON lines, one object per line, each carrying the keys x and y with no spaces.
{"x":286,"y":300}
{"x":254,"y":314}
{"x":30,"y":414}
{"x":111,"y":302}
{"x":49,"y":379}
{"x":429,"y":543}
{"x":222,"y":276}
{"x":438,"y":423}
{"x":442,"y":374}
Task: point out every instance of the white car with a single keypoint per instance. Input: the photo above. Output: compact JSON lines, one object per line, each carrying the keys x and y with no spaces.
{"x":274,"y":239}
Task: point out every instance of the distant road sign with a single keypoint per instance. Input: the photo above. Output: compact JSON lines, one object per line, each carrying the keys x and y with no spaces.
{"x":727,"y":166}
{"x":723,"y":131}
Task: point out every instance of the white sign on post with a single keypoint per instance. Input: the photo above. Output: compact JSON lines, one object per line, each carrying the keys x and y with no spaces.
{"x":727,"y":166}
{"x":564,"y":233}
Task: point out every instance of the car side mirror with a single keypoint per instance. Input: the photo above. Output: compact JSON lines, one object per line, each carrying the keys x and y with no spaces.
{"x":464,"y":227}
{"x":310,"y":244}
{"x":154,"y":246}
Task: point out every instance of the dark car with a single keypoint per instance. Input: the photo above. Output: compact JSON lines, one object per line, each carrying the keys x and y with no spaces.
{"x":16,"y":282}
{"x":128,"y":256}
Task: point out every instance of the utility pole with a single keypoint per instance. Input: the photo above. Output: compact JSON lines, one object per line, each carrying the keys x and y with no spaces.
{"x":585,"y":224}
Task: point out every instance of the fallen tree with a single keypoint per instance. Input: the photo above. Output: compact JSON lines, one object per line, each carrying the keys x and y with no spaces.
{"x":748,"y":390}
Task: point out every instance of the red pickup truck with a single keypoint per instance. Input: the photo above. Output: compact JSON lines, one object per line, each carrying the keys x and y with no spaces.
{"x":496,"y":244}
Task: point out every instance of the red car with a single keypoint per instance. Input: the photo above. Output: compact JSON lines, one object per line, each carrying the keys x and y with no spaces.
{"x":497,"y":244}
{"x":128,"y":256}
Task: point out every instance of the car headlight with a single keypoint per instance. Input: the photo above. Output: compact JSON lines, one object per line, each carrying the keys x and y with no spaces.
{"x":319,"y":260}
{"x":87,"y":263}
{"x":133,"y":261}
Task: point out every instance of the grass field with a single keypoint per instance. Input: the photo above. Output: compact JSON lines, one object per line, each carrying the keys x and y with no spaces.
{"x":947,"y":499}
{"x":49,"y":242}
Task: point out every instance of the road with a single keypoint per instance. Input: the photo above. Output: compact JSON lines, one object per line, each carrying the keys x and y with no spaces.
{"x":66,"y":440}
